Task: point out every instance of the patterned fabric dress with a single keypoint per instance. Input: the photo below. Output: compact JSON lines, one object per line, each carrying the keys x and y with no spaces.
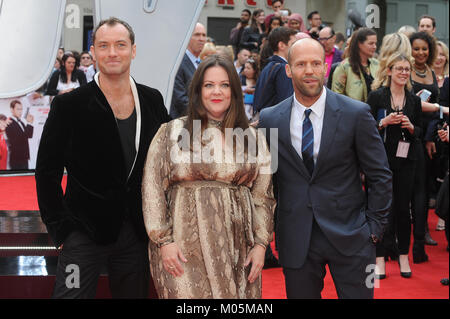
{"x":215,"y":212}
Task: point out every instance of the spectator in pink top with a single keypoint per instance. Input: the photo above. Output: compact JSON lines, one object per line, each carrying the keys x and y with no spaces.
{"x":327,"y":38}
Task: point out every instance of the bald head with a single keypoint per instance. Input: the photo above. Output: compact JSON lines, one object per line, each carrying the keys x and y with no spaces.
{"x":307,"y":69}
{"x":306,"y":45}
{"x":327,"y":38}
{"x":326,"y":32}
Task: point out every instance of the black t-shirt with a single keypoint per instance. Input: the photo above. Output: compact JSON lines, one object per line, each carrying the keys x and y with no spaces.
{"x":127,"y":132}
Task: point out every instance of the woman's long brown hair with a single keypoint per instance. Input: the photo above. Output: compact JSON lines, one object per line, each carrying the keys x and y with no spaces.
{"x":235,"y":116}
{"x":354,"y":58}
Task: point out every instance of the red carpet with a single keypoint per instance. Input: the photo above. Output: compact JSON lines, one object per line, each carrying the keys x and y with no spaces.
{"x":19,"y":193}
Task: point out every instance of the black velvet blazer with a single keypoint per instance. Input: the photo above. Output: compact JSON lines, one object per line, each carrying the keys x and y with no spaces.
{"x":81,"y":135}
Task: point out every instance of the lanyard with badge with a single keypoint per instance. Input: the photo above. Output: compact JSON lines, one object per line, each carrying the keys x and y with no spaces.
{"x":403,"y":145}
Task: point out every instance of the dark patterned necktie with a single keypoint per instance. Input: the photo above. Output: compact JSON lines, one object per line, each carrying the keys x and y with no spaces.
{"x":308,"y":143}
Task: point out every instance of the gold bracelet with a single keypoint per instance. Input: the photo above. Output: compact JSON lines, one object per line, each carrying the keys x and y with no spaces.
{"x":159,"y":245}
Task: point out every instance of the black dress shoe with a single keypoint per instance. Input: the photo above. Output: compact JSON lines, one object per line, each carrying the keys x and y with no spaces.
{"x":404,"y":274}
{"x":419,"y":255}
{"x":429,"y":241}
{"x":444,"y":281}
{"x":419,"y":258}
{"x":380,"y":276}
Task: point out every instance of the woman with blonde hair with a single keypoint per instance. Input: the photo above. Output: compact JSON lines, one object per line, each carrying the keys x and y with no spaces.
{"x":440,"y":68}
{"x":208,"y":49}
{"x":407,"y":30}
{"x":399,"y":117}
{"x":399,"y":42}
{"x":441,"y":63}
{"x":391,"y":44}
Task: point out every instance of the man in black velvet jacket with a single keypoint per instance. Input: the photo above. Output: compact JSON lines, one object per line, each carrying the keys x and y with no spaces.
{"x":100,"y":133}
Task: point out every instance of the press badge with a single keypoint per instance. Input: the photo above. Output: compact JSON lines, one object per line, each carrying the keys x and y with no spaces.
{"x":403,"y":149}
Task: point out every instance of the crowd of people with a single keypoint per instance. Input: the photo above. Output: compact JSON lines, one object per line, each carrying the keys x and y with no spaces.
{"x":417,"y":95}
{"x":362,"y":152}
{"x":71,"y":70}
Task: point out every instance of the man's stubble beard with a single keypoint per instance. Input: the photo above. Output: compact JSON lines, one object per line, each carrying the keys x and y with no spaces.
{"x":306,"y":92}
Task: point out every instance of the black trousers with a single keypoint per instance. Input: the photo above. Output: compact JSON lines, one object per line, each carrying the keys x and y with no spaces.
{"x":351,"y":275}
{"x":81,"y":261}
{"x":399,"y":226}
{"x":419,"y":203}
{"x":22,"y":164}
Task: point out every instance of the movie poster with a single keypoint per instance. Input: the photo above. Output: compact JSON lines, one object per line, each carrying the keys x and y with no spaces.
{"x":25,"y":132}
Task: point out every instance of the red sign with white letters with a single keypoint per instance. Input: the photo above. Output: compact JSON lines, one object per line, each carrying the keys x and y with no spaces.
{"x":248,"y":3}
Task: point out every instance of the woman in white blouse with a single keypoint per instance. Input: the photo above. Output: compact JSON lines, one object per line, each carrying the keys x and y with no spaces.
{"x":68,"y":78}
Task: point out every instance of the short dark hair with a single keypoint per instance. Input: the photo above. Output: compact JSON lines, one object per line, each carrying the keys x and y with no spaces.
{"x":425,"y":16}
{"x":310,"y":15}
{"x":340,"y":37}
{"x":248,"y":11}
{"x":241,"y":48}
{"x":432,"y":46}
{"x":282,"y":34}
{"x":274,"y":1}
{"x":14,"y":103}
{"x":112,"y":22}
{"x":85,"y":52}
{"x":273,"y":19}
{"x":3,"y":117}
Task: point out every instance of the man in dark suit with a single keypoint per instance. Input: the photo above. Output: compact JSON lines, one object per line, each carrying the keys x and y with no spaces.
{"x":100,"y":133}
{"x":191,"y":60}
{"x":325,"y":141}
{"x":18,"y":134}
{"x":273,"y":86}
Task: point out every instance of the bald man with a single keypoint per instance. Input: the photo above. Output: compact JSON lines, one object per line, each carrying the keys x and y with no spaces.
{"x":324,"y":216}
{"x":191,"y":60}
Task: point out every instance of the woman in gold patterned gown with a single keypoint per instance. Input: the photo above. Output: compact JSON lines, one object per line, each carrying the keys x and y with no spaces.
{"x":209,"y":218}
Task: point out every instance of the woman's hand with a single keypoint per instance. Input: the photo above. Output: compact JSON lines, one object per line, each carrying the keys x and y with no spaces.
{"x":443,"y":134}
{"x":392,"y":119}
{"x":431,"y":149}
{"x":254,"y":124}
{"x":171,"y":256}
{"x":65,"y":91}
{"x":256,"y":258}
{"x":406,"y":123}
{"x":249,"y":90}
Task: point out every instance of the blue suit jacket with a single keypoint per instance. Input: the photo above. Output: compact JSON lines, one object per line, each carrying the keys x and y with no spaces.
{"x":334,"y":195}
{"x":180,"y":100}
{"x":273,"y":85}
